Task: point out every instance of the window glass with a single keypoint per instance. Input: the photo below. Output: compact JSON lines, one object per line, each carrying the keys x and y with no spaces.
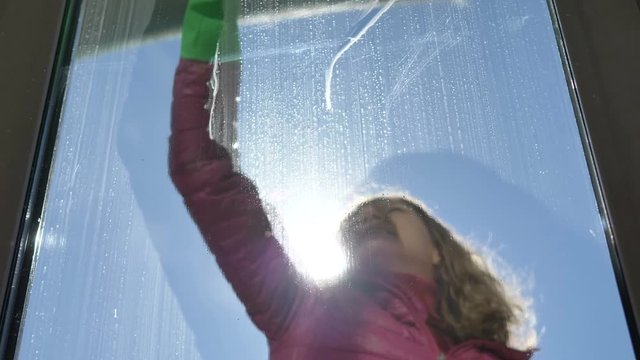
{"x":461,"y":104}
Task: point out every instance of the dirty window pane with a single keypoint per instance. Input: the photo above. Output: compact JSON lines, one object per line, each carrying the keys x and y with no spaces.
{"x":461,"y":104}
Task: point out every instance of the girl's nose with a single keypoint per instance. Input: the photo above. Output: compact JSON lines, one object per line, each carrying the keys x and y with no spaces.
{"x":373,"y":212}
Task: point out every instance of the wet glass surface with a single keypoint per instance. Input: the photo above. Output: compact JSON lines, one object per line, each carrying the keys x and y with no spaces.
{"x":461,"y":104}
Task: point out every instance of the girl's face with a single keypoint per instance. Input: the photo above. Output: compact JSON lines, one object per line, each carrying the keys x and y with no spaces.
{"x":388,"y":234}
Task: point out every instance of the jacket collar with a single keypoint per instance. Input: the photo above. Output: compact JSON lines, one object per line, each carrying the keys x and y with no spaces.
{"x":409,"y":298}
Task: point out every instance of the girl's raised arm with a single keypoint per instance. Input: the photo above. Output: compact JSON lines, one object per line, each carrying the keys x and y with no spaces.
{"x":225,"y":204}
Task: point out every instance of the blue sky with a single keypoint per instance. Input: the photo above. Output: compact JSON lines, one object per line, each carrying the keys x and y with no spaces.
{"x":463,"y":106}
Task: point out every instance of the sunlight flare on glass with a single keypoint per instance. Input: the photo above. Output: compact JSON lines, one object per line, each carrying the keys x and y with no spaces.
{"x":311,"y":224}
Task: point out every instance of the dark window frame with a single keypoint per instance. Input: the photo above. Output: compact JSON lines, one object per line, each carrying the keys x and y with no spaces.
{"x":600,"y":43}
{"x":33,"y":86}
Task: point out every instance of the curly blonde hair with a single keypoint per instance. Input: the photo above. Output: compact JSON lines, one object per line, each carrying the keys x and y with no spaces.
{"x":472,"y":303}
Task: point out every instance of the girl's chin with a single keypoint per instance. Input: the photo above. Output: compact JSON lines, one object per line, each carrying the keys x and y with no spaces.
{"x":378,"y":238}
{"x":377,"y":253}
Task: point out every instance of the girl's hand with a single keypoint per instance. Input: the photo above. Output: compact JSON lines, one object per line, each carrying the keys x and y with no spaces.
{"x":201,"y":29}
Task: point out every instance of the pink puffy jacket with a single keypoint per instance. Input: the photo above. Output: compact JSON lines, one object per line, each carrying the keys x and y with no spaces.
{"x":368,"y":316}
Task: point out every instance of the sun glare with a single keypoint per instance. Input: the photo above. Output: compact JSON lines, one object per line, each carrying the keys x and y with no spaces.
{"x":311,"y":226}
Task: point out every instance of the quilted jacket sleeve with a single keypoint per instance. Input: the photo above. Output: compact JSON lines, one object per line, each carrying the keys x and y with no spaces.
{"x":226,"y":208}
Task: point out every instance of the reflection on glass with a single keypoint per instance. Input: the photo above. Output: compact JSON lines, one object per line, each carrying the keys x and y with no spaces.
{"x":461,"y":105}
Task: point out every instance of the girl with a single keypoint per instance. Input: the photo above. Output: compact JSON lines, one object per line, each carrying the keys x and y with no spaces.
{"x":413,"y":291}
